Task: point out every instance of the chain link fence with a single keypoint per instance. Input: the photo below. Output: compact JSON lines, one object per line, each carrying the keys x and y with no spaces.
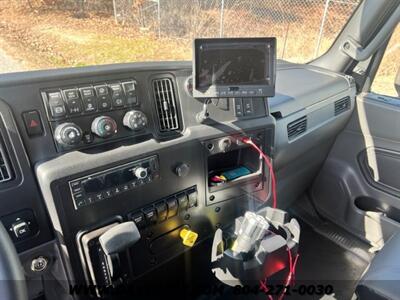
{"x":304,"y":28}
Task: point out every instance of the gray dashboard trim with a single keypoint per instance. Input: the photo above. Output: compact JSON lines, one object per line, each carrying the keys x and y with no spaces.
{"x":300,"y":86}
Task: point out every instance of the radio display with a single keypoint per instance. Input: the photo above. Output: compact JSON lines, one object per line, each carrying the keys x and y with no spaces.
{"x":238,"y":63}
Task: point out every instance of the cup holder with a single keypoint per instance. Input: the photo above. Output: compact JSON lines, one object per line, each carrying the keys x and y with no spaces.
{"x":373,"y":205}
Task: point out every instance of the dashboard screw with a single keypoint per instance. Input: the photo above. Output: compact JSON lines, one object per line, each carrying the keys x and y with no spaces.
{"x":212,"y":198}
{"x":187,"y":217}
{"x":217,"y":209}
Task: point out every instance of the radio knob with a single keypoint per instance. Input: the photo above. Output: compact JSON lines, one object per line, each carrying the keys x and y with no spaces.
{"x":104,"y":126}
{"x":135,"y":120}
{"x":140,"y":172}
{"x":68,"y":134}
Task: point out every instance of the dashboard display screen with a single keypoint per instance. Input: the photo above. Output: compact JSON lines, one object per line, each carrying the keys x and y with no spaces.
{"x":234,"y":62}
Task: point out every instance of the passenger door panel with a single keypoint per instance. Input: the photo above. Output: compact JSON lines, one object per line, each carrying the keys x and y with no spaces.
{"x":359,"y":184}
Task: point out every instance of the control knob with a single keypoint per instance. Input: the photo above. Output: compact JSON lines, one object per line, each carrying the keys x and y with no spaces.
{"x":68,"y":134}
{"x":135,"y":120}
{"x":140,"y":172}
{"x":104,"y":126}
{"x":224,"y":144}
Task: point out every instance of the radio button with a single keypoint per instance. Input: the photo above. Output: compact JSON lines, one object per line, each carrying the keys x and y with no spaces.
{"x":99,"y":197}
{"x":108,"y":193}
{"x":90,"y":199}
{"x":76,"y":189}
{"x":134,"y":184}
{"x":79,"y":200}
{"x":75,"y":184}
{"x":125,"y":187}
{"x":116,"y":190}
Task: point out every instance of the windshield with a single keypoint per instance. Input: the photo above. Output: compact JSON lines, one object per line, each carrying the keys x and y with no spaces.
{"x":43,"y":34}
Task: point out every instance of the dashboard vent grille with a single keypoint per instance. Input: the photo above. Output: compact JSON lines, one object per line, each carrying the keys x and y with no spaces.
{"x":297,"y":127}
{"x":166,"y":104}
{"x":5,"y":170}
{"x":342,"y":105}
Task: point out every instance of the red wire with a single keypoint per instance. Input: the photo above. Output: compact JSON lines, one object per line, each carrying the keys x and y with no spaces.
{"x":292,"y":263}
{"x":292,"y":271}
{"x":268,"y":162}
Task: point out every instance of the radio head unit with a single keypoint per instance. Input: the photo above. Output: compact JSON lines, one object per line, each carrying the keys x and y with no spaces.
{"x":234,"y":67}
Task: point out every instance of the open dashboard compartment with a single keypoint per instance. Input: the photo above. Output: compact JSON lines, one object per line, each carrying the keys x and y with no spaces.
{"x":233,"y":168}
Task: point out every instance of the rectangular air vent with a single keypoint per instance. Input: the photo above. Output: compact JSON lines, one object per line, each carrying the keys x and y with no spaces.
{"x":5,"y":169}
{"x":342,"y":105}
{"x":297,"y":127}
{"x":166,"y":105}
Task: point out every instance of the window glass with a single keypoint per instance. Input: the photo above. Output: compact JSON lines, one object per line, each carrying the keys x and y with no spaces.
{"x":38,"y":34}
{"x":384,"y":79}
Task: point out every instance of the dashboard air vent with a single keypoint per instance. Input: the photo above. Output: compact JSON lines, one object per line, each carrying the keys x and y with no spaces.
{"x":342,"y":105}
{"x":297,"y":127}
{"x":5,"y":169}
{"x":166,"y":105}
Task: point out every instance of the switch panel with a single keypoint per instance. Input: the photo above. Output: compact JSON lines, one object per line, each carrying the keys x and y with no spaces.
{"x":86,"y":103}
{"x":64,"y":103}
{"x":20,"y":225}
{"x":164,"y":209}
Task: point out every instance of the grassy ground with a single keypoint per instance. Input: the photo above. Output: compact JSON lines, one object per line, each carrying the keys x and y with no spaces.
{"x":46,"y":42}
{"x":44,"y":39}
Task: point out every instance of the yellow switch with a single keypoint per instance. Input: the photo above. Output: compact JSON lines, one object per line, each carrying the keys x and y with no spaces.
{"x":188,"y":237}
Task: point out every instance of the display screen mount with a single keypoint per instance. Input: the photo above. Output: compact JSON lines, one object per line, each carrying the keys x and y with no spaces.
{"x":234,"y":67}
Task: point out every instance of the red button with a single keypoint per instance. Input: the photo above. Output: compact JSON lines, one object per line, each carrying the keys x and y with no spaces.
{"x":33,"y":123}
